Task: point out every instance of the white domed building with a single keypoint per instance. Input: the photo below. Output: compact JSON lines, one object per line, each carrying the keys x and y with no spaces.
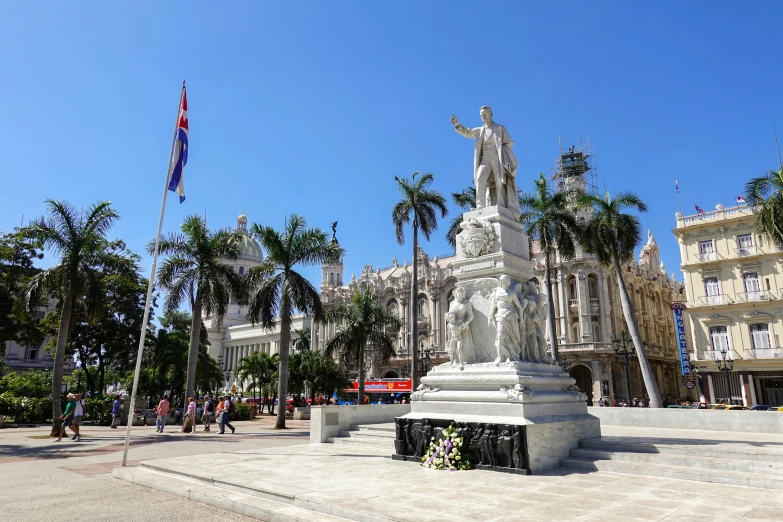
{"x":235,"y":337}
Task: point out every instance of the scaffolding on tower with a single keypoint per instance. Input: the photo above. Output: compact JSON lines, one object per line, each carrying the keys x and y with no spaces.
{"x":575,"y":165}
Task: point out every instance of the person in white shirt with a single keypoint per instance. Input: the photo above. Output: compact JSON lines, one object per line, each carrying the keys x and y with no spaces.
{"x":81,"y":409}
{"x":224,"y":420}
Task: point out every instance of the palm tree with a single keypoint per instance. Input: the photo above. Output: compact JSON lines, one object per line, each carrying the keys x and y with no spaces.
{"x":302,"y":342}
{"x":278,"y":289}
{"x":364,"y":326}
{"x":548,"y":217}
{"x":765,"y":193}
{"x":251,"y":368}
{"x":79,"y":239}
{"x":195,"y":269}
{"x":464,"y":200}
{"x":612,"y":236}
{"x":422,"y":203}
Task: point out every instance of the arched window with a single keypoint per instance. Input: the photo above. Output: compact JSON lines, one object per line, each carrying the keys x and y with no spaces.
{"x":241,"y":270}
{"x":575,"y":337}
{"x":423,"y":307}
{"x":391,"y":307}
{"x":596,"y":332}
{"x":331,"y":278}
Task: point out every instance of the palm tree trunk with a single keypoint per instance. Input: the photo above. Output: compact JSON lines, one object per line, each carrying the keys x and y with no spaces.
{"x":195,"y":337}
{"x":361,"y":375}
{"x":285,"y":341}
{"x":633,"y":327}
{"x":415,"y":311}
{"x":59,"y":357}
{"x":551,"y":317}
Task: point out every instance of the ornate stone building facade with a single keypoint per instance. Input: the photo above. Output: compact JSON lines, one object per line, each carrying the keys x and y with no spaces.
{"x":392,"y":286}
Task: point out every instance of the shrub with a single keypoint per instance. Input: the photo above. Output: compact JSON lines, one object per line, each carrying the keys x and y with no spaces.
{"x":25,"y":409}
{"x":242,"y":411}
{"x":99,"y":409}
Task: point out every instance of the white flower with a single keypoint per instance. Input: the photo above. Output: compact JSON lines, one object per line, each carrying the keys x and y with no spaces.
{"x":458,"y":457}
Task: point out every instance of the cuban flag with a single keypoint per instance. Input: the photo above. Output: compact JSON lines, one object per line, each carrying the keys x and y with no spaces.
{"x":699,"y":210}
{"x":741,"y":200}
{"x":179,"y":153}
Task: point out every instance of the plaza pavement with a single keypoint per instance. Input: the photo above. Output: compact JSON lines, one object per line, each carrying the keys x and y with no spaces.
{"x":43,"y":480}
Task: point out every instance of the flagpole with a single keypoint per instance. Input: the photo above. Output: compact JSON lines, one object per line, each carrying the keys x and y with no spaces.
{"x":150,"y":287}
{"x":780,"y":162}
{"x":677,"y":186}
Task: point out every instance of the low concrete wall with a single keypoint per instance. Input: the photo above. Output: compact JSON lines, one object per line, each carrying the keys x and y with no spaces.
{"x":742,"y":420}
{"x":327,"y":421}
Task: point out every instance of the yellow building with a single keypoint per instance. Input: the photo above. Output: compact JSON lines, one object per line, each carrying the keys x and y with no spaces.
{"x":734,"y":285}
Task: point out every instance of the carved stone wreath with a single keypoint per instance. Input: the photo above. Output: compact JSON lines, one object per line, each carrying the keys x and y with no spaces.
{"x":477,"y":237}
{"x":517,"y":393}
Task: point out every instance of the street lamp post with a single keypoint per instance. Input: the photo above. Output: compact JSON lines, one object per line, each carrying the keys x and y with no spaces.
{"x":626,"y":352}
{"x":726,"y":366}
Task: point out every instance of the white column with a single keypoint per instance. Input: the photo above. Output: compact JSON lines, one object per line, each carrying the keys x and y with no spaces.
{"x":561,"y":289}
{"x":606,"y":321}
{"x":742,"y":390}
{"x":584,"y":308}
{"x":752,"y":390}
{"x":712,"y":388}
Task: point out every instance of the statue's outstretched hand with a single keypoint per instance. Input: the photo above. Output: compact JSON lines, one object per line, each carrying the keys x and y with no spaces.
{"x":454,"y":120}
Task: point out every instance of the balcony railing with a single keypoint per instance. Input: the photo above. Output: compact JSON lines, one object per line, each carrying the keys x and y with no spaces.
{"x":764,"y":353}
{"x":752,"y":250}
{"x":584,"y":347}
{"x":714,"y":300}
{"x":707,"y":257}
{"x":752,"y":297}
{"x":595,"y":306}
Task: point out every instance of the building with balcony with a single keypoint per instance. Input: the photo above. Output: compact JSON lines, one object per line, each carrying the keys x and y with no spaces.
{"x":22,"y":358}
{"x":734,"y":283}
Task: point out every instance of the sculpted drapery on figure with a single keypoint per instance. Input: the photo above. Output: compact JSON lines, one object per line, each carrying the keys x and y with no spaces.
{"x":494,"y":163}
{"x":460,"y":341}
{"x":506,"y":315}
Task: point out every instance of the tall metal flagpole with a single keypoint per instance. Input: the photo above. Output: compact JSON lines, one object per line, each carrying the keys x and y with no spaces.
{"x":677,"y":186}
{"x":780,"y":162}
{"x":150,"y":286}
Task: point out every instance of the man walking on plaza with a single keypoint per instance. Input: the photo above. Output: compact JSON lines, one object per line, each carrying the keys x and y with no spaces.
{"x":78,"y":414}
{"x":116,"y":412}
{"x":162,"y":412}
{"x":67,"y":417}
{"x":224,"y":420}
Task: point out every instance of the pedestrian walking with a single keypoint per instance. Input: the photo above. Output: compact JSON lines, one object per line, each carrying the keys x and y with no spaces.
{"x":601,"y":402}
{"x":209,"y":408}
{"x":226,"y":417}
{"x":162,"y":411}
{"x":67,"y":417}
{"x":116,"y":412}
{"x":189,"y":423}
{"x":79,"y":410}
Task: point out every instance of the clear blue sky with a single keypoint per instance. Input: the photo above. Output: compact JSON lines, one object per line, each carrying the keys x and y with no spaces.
{"x":314,"y":107}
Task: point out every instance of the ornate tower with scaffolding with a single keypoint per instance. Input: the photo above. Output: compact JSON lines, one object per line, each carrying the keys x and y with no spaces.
{"x":575,"y":168}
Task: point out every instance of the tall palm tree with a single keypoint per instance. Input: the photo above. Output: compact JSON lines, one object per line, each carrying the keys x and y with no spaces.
{"x":302,"y":342}
{"x":765,"y":193}
{"x":420,"y":204}
{"x":612,"y":236}
{"x":364,"y":324}
{"x":79,"y":239}
{"x":465,"y":200}
{"x":195,"y":269}
{"x":278,"y":289}
{"x":548,"y":218}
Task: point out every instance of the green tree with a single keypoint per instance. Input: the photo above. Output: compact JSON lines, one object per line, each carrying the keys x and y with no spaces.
{"x":326,"y":375}
{"x":363,"y":326}
{"x":34,"y":384}
{"x":195,"y":269}
{"x":465,"y":200}
{"x":278,"y":289}
{"x":765,"y":193}
{"x":613,"y":236}
{"x":302,"y":342}
{"x":79,"y":239}
{"x":419,"y":204}
{"x":548,"y":218}
{"x":252,"y":369}
{"x":17,"y":255}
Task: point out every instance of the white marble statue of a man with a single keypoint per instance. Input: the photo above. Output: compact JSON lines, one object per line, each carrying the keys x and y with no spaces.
{"x":494,"y":164}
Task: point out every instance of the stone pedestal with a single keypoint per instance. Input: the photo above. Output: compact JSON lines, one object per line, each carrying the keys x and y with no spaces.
{"x":519,"y":415}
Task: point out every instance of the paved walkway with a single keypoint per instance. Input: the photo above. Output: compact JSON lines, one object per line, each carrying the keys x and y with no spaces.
{"x":43,"y":480}
{"x":363,"y":483}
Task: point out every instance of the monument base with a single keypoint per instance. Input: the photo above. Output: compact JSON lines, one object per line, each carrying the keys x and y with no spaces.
{"x":517,"y":417}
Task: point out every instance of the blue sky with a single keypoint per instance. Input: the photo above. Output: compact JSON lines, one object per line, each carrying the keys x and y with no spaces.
{"x":314,"y":107}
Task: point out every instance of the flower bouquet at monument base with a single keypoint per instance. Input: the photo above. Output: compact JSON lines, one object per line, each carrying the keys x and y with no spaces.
{"x":446,"y":452}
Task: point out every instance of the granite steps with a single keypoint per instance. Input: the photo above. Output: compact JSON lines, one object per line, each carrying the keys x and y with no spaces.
{"x":757,"y":468}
